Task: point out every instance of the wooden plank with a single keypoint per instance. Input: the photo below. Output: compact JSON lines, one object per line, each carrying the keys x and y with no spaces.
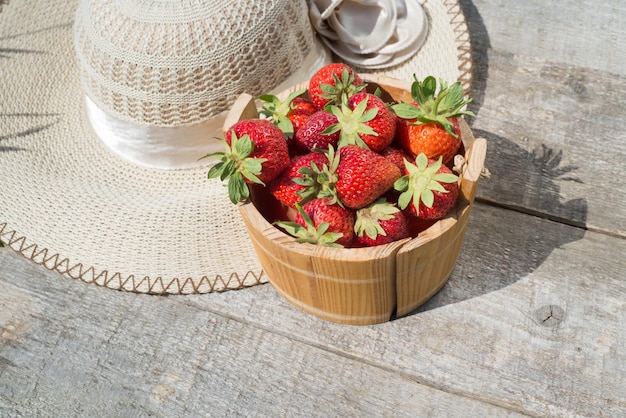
{"x":583,"y":33}
{"x":533,"y":318}
{"x":549,"y":74}
{"x":549,"y":127}
{"x":71,"y":349}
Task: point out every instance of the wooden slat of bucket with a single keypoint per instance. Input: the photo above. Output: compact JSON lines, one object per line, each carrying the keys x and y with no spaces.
{"x":425,"y":263}
{"x":243,"y":108}
{"x":352,"y":286}
{"x":399,"y":90}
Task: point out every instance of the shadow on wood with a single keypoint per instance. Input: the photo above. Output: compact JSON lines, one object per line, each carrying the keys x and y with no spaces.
{"x":480,"y":43}
{"x":504,"y":246}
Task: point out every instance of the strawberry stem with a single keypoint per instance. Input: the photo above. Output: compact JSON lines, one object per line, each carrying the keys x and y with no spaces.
{"x":237,"y":167}
{"x":276,"y":110}
{"x":309,"y":233}
{"x":351,"y":123}
{"x":368,"y":218}
{"x":342,"y":89}
{"x":432,"y":106}
{"x":421,"y":181}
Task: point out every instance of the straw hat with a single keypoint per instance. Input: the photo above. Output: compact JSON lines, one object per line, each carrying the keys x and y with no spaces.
{"x":106,"y":106}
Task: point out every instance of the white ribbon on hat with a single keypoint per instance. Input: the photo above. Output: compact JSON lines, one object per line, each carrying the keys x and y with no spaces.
{"x":370,"y":33}
{"x":177,"y":147}
{"x":162,"y":147}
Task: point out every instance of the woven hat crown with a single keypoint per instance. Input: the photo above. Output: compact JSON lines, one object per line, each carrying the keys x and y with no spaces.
{"x":175,"y":62}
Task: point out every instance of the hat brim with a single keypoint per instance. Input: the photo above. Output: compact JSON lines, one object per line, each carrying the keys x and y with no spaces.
{"x":69,"y":204}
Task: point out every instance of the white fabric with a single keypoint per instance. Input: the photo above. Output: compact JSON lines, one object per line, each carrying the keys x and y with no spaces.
{"x":319,"y":57}
{"x":178,"y":62}
{"x":176,"y":147}
{"x":371,"y":34}
{"x":164,"y":147}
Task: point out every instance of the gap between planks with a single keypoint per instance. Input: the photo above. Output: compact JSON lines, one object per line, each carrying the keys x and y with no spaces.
{"x":386,"y":368}
{"x":549,"y":217}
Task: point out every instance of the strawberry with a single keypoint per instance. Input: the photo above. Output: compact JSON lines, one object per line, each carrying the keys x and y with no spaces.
{"x":364,"y":120}
{"x":311,"y":135}
{"x":383,"y":123}
{"x":355,"y":176}
{"x":288,"y":114}
{"x":256,"y":152}
{"x":300,"y":111}
{"x":428,"y":138}
{"x":333,"y":84}
{"x":323,"y":223}
{"x":430,"y":124}
{"x":289,"y":187}
{"x":380,"y":223}
{"x":363,"y":176}
{"x":397,"y":156}
{"x":429,"y":190}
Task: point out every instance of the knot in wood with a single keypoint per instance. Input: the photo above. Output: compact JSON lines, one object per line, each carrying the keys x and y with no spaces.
{"x":549,"y":316}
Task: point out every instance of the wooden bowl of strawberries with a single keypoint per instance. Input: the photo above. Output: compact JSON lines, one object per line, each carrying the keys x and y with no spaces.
{"x":355,"y":189}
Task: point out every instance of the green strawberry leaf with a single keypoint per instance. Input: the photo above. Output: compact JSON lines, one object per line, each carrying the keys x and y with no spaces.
{"x":272,"y":106}
{"x":421,"y":181}
{"x":285,"y":125}
{"x":352,"y":123}
{"x":237,"y":188}
{"x":292,"y":228}
{"x":276,"y":110}
{"x":243,"y":146}
{"x":427,"y":197}
{"x":368,"y":218}
{"x":445,"y":178}
{"x":236,"y":166}
{"x":404,"y":199}
{"x":218,"y":171}
{"x":309,"y":233}
{"x":435,"y":106}
{"x":406,"y":110}
{"x":342,"y":89}
{"x":423,"y":91}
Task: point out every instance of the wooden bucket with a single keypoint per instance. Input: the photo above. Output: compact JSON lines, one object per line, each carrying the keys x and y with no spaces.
{"x":362,"y":285}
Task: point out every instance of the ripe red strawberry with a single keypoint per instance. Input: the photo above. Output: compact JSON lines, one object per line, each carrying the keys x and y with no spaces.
{"x":396,"y":156}
{"x":300,"y":111}
{"x":363,"y":176}
{"x":310,"y":136}
{"x":430,"y":124}
{"x":288,"y":187}
{"x":365,"y":121}
{"x":429,"y":190}
{"x":332,"y":83}
{"x":323,"y":223}
{"x":367,"y":110}
{"x":289,"y":114}
{"x":340,"y":219}
{"x":256,"y":152}
{"x":431,"y":139}
{"x":355,"y":176}
{"x":380,"y":223}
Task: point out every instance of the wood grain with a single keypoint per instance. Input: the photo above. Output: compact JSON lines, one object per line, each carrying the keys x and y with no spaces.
{"x":546,"y":152}
{"x":584,"y":34}
{"x":70,"y":349}
{"x":532,"y":318}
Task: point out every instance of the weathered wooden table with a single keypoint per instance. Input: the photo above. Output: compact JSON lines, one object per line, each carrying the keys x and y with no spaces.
{"x":532,"y":321}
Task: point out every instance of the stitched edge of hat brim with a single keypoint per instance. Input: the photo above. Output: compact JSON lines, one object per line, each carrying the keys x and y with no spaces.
{"x":158,"y":285}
